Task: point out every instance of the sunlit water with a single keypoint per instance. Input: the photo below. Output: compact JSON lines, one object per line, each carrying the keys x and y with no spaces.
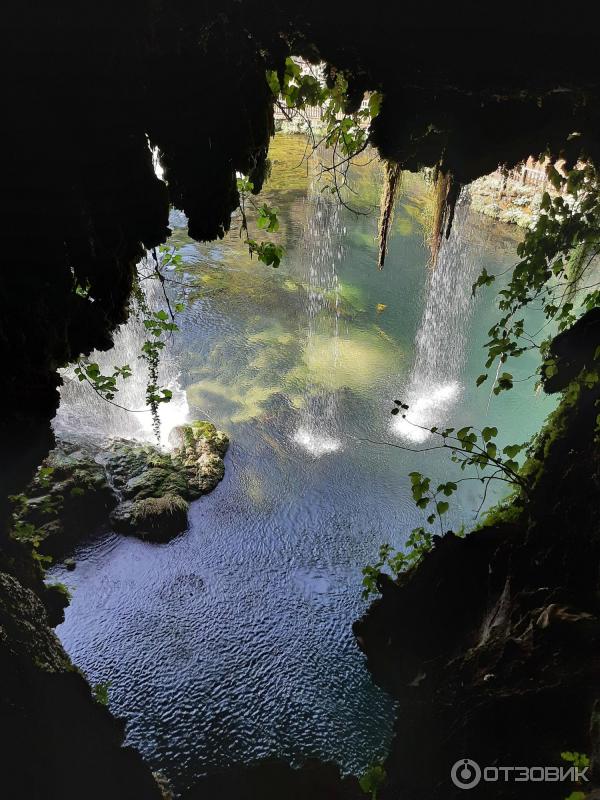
{"x":233,"y":641}
{"x":90,"y":415}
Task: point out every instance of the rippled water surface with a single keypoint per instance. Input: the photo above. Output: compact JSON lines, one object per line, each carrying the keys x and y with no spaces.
{"x":234,"y":640}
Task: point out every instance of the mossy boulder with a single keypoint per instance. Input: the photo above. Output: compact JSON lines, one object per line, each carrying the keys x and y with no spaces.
{"x":199,"y":448}
{"x":157,"y":482}
{"x":153,"y":518}
{"x":69,"y":494}
{"x":147,"y":489}
{"x":155,"y":487}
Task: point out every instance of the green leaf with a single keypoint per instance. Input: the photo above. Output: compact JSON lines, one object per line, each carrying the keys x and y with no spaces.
{"x":442,"y":507}
{"x":374,"y":104}
{"x":512,"y":450}
{"x":485,"y":279}
{"x":372,"y":780}
{"x":481,"y":379}
{"x":489,"y":433}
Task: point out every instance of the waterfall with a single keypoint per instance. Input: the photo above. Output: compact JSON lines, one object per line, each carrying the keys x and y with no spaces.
{"x":322,"y":251}
{"x":440,"y":346}
{"x":83,"y":412}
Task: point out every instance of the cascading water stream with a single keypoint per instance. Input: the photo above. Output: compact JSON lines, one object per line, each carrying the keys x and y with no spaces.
{"x":323,"y":251}
{"x":440,"y":347}
{"x":83,"y":413}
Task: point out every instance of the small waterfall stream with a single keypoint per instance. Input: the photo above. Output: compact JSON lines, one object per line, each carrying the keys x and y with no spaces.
{"x":84,"y":414}
{"x":441,"y":341}
{"x":323,"y":250}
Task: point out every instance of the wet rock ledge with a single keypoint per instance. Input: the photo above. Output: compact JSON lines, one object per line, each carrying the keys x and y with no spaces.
{"x":138,"y":488}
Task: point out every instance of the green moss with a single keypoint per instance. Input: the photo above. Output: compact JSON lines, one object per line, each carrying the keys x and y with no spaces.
{"x":151,"y":509}
{"x":506,"y":512}
{"x":62,"y":589}
{"x":100,"y":692}
{"x":156,"y":482}
{"x":202,"y":428}
{"x":555,"y":428}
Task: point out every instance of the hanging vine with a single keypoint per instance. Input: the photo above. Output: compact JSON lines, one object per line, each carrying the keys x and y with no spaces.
{"x":159,"y":325}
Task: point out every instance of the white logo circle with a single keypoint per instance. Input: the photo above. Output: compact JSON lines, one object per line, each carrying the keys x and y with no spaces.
{"x":466,"y":773}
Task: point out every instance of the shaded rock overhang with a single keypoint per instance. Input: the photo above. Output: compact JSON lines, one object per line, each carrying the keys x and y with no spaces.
{"x":86,"y":87}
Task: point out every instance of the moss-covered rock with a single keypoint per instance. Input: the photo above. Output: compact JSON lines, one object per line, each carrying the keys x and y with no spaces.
{"x":140,"y":488}
{"x":69,"y":494}
{"x":157,"y":482}
{"x":200,"y":448}
{"x":154,"y":486}
{"x":153,"y":518}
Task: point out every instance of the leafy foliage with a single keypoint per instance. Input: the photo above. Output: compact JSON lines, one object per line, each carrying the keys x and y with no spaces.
{"x":345,"y":134}
{"x":26,"y":532}
{"x":100,"y":692}
{"x":468,"y":448}
{"x":579,"y":760}
{"x":269,"y":253}
{"x":373,"y":779}
{"x":158,"y":324}
{"x":555,"y":256}
{"x":418,"y":544}
{"x":104,"y":385}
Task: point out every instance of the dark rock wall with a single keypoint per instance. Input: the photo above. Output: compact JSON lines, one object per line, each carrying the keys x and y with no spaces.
{"x":56,"y":742}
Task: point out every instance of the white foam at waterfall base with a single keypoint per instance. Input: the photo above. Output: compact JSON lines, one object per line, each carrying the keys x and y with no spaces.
{"x":315,"y":443}
{"x":427,"y":410}
{"x":441,"y":341}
